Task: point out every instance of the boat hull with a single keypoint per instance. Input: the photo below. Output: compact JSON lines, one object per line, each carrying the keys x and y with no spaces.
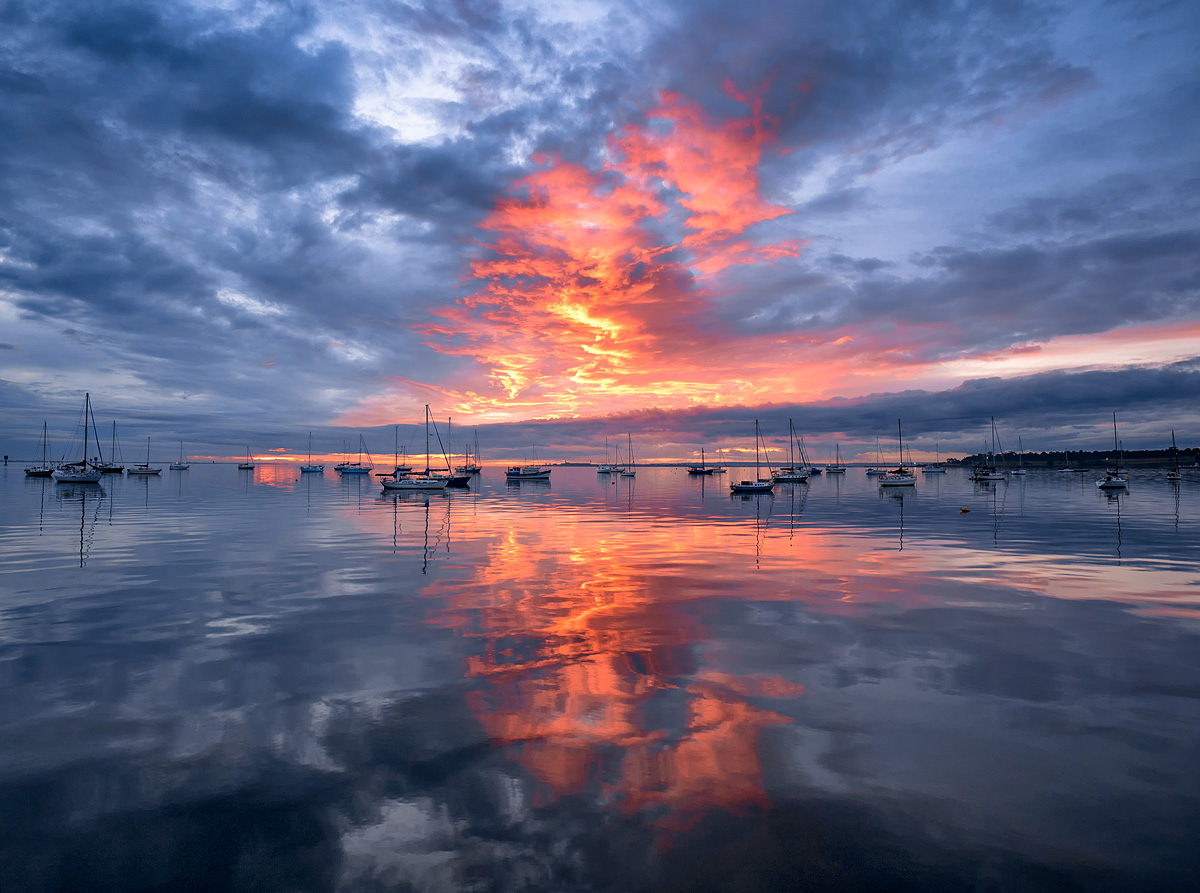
{"x":76,"y":477}
{"x":528,"y":474}
{"x":415,"y":484}
{"x":752,"y":486}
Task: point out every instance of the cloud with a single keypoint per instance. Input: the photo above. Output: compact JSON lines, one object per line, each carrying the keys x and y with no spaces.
{"x":803,"y":202}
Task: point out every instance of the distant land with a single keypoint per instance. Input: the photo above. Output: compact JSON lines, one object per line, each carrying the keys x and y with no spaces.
{"x":1085,"y":458}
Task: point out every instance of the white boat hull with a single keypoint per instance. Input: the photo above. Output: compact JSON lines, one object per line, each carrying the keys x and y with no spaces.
{"x":75,"y":477}
{"x":414,"y":484}
{"x":752,"y":486}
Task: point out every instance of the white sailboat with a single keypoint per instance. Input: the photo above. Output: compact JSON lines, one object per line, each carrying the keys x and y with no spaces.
{"x":877,"y":470}
{"x":1114,"y":480}
{"x":937,"y":467}
{"x":182,"y":464}
{"x":144,"y":467}
{"x":606,"y":467}
{"x":79,"y":472}
{"x":900,"y":476}
{"x":1173,"y":475}
{"x":758,"y":485}
{"x":309,"y":466}
{"x":404,"y":482}
{"x":248,"y":465}
{"x":1020,"y":469}
{"x":358,"y":466}
{"x":793,"y":473}
{"x":836,"y":467}
{"x":629,"y":470}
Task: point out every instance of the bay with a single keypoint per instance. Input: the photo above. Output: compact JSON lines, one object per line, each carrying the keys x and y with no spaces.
{"x":218,"y":679}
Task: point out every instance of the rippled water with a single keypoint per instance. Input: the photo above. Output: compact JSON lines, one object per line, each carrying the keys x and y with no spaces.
{"x":232,"y":680}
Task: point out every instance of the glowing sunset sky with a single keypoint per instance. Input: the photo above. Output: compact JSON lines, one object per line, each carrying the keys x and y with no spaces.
{"x":235,"y":221}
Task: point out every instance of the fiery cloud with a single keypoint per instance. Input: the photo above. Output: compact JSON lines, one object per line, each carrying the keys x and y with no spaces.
{"x":596,"y":283}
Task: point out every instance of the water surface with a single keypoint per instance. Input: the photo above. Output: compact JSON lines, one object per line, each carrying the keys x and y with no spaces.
{"x":260,"y":680}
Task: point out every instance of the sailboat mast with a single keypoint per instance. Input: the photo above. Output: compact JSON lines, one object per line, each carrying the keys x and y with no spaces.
{"x":1116,"y":446}
{"x":757,"y":463}
{"x":426,"y":439}
{"x":87,"y":411}
{"x":900,"y":437}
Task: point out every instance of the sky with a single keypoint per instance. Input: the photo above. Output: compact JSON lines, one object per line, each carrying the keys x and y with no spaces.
{"x":237,"y":222}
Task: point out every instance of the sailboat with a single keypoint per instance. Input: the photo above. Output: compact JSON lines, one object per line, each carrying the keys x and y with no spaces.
{"x":532,"y":472}
{"x":758,"y":485}
{"x":116,"y":463}
{"x":877,"y":470}
{"x":629,"y":470}
{"x":459,"y":478}
{"x":309,"y":465}
{"x":357,"y":467}
{"x":836,"y":467}
{"x":248,"y":465}
{"x":937,"y":467}
{"x":45,"y":469}
{"x":1173,"y":475}
{"x":424,"y":481}
{"x":988,"y":471}
{"x":701,"y":468}
{"x":1020,"y":469}
{"x":813,"y":468}
{"x":471,"y":460}
{"x":606,"y":468}
{"x":792,"y":474}
{"x":1114,"y":480}
{"x":79,"y":472}
{"x":182,"y":464}
{"x":899,"y":476}
{"x":144,"y":467}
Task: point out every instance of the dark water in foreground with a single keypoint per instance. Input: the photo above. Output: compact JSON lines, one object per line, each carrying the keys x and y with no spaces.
{"x":252,"y":681}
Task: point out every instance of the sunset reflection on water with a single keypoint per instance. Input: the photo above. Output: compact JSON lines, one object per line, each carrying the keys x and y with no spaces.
{"x":588,"y":623}
{"x":645,"y":676}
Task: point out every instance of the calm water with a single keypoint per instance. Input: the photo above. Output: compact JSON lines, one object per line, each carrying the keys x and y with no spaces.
{"x":233,"y":680}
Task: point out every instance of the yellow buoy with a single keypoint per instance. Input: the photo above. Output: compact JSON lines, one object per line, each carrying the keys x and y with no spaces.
{"x":964,"y":511}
